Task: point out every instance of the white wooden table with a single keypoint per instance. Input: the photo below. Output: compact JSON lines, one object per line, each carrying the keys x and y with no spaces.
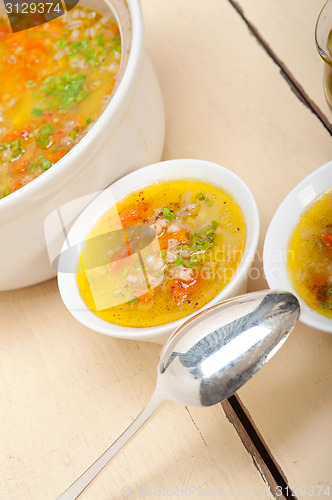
{"x":242,"y":85}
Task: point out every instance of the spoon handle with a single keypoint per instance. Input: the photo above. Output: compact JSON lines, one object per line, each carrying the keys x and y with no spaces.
{"x":85,"y":479}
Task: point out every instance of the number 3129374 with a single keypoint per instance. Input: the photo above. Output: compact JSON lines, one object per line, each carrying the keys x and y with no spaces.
{"x":305,"y":491}
{"x":33,"y":8}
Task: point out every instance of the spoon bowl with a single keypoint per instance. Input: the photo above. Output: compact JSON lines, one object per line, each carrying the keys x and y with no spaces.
{"x":209,"y":357}
{"x":212,"y":355}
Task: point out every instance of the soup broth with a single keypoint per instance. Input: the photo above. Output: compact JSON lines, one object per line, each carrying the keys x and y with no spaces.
{"x":56,"y":79}
{"x":310,"y":256}
{"x":198,"y":240}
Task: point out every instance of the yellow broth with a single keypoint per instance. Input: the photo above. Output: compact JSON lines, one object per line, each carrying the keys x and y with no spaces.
{"x":56,"y":80}
{"x":310,"y":255}
{"x":198,"y":240}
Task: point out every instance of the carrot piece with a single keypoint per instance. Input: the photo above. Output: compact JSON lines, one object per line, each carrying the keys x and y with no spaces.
{"x":319,"y":287}
{"x":11,"y":136}
{"x":34,"y":57}
{"x":57,"y":155}
{"x":129,"y":216}
{"x":127,"y":245}
{"x":14,"y":134}
{"x":181,"y":290}
{"x":17,"y":185}
{"x":3,"y":30}
{"x":135,"y":216}
{"x":326,"y":239}
{"x":59,"y":134}
{"x":20,"y":166}
{"x":14,"y":39}
{"x":35,"y":52}
{"x":180,"y":236}
{"x":34,"y":43}
{"x":318,"y":281}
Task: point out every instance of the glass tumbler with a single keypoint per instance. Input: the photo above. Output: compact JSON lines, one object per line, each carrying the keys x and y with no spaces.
{"x":323,"y":38}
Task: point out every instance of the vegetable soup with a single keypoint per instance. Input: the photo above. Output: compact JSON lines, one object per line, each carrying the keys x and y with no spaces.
{"x":310,"y":256}
{"x":198,"y":238}
{"x":56,"y":80}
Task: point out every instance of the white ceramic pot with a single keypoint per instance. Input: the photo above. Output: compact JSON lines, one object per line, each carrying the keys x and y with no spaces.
{"x":160,"y":172}
{"x":129,"y":134}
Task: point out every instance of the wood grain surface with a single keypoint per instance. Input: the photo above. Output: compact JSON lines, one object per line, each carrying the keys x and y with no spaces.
{"x":68,"y":392}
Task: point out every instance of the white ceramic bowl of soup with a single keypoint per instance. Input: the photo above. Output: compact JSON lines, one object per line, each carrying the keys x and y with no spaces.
{"x":164,"y":171}
{"x":128,"y":134}
{"x":277,"y":241}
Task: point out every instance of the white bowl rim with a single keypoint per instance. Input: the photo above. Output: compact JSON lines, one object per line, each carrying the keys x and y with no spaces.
{"x":26,"y":193}
{"x":303,"y":194}
{"x":67,"y":282}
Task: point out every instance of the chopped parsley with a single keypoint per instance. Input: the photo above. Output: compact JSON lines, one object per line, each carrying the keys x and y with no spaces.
{"x":37,"y":112}
{"x":46,"y":164}
{"x":192,"y":261}
{"x":17,"y":149}
{"x":168,"y":214}
{"x":73,"y":134}
{"x":202,"y":242}
{"x":62,"y":43}
{"x":66,"y":90}
{"x":116,"y":44}
{"x":5,"y":192}
{"x":43,"y":134}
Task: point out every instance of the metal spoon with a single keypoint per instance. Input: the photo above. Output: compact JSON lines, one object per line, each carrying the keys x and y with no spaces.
{"x":209,"y":357}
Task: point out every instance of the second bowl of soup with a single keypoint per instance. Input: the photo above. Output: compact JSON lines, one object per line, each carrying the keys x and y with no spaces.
{"x":158,"y":246}
{"x":298,"y":247}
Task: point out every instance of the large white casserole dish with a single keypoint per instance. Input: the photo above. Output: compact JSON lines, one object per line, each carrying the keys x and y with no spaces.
{"x":129,"y":134}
